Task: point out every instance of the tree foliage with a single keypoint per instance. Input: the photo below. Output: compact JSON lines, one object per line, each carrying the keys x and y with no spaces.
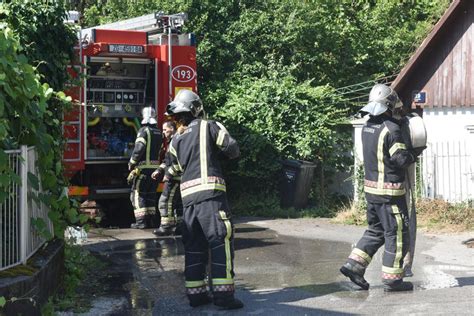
{"x":269,"y":68}
{"x":45,"y":39}
{"x":32,"y":62}
{"x":277,"y":118}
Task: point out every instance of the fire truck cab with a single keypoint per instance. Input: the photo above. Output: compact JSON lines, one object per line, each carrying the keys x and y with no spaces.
{"x":123,"y":67}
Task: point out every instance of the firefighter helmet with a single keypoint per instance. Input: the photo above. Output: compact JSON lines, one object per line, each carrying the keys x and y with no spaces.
{"x":185,"y":101}
{"x":381,"y":99}
{"x":148,"y":115}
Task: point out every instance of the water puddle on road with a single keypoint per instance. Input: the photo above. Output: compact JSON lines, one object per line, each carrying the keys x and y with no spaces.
{"x":267,"y":260}
{"x":136,"y":273}
{"x":146,"y":274}
{"x":144,"y":271}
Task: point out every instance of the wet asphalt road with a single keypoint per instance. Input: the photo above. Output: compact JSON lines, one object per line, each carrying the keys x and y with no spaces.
{"x":282,"y":267}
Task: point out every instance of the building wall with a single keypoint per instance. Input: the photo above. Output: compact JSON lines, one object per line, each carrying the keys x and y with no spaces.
{"x":448,"y":162}
{"x":441,"y":76}
{"x":357,"y":153}
{"x":445,"y":72}
{"x":449,"y":123}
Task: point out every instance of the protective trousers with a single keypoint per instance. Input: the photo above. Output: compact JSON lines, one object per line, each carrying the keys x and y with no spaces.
{"x":388,"y":223}
{"x":143,"y":198}
{"x":208,"y":227}
{"x":170,"y":200}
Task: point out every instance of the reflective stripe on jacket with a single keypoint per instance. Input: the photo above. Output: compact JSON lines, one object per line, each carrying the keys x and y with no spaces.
{"x":195,"y":156}
{"x":147,"y":148}
{"x":385,"y":159}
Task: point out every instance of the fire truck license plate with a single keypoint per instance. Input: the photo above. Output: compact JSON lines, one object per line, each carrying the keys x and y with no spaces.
{"x":130,"y":49}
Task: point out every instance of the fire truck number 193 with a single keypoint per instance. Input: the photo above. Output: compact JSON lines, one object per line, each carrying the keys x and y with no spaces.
{"x":183,"y":73}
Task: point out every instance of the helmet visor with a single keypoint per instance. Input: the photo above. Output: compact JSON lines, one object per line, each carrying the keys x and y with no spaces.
{"x":149,"y":120}
{"x":374,"y":108}
{"x":175,"y":107}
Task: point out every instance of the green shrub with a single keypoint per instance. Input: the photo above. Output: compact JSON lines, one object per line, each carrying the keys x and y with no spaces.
{"x":265,"y":68}
{"x":83,"y":271}
{"x":32,"y":66}
{"x":277,"y":118}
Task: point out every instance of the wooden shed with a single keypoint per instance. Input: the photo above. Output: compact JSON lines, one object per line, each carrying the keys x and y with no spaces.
{"x":438,"y":82}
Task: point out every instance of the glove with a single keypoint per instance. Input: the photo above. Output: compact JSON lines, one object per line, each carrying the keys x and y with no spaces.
{"x":222,"y":127}
{"x":130,"y":177}
{"x":134,"y":173}
{"x":156,"y":174}
{"x":417,"y":151}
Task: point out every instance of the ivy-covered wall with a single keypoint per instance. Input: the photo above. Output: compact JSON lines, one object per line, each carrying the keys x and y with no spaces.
{"x":35,"y":48}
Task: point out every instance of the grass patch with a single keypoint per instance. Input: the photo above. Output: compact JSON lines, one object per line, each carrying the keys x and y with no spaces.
{"x":439,"y":215}
{"x":351,"y":214}
{"x":268,"y":205}
{"x":432,"y":215}
{"x":18,"y":271}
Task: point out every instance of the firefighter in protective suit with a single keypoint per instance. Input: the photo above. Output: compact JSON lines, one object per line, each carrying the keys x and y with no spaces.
{"x":386,"y":159}
{"x":207,"y":225}
{"x":143,"y":161}
{"x":169,"y":204}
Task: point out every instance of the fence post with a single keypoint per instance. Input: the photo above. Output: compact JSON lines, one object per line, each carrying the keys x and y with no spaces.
{"x":23,"y":204}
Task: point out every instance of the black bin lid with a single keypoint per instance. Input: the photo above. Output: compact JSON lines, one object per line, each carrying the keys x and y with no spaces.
{"x":298,"y":163}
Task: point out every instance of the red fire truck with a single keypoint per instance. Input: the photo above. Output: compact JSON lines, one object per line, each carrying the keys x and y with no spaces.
{"x":123,"y":67}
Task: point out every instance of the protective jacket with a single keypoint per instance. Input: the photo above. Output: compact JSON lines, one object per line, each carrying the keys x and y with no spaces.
{"x":170,"y":198}
{"x":146,"y":153}
{"x":145,"y":157}
{"x":166,"y":163}
{"x":207,"y":219}
{"x":195,"y":155}
{"x":385,"y":160}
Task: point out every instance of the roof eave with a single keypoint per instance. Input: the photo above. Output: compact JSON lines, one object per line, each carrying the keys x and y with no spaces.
{"x":398,"y":83}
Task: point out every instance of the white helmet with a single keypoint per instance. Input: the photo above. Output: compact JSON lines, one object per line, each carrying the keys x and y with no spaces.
{"x":149,"y":115}
{"x":381,"y":99}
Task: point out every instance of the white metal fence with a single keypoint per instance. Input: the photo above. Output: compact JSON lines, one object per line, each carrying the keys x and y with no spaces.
{"x":448,"y":171}
{"x":19,"y":239}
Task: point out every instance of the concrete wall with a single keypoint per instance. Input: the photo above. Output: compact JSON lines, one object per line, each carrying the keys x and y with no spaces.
{"x":357,"y":151}
{"x":448,"y":162}
{"x":449,"y":124}
{"x":343,"y":182}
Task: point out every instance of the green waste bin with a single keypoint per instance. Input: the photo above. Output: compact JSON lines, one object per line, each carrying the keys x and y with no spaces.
{"x":296,"y":179}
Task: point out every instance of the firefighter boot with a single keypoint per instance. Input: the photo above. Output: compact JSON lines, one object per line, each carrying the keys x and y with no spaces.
{"x":355,"y":271}
{"x":227,"y":300}
{"x":139,"y":223}
{"x":163,"y":230}
{"x":196,"y":300}
{"x":397,"y":286}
